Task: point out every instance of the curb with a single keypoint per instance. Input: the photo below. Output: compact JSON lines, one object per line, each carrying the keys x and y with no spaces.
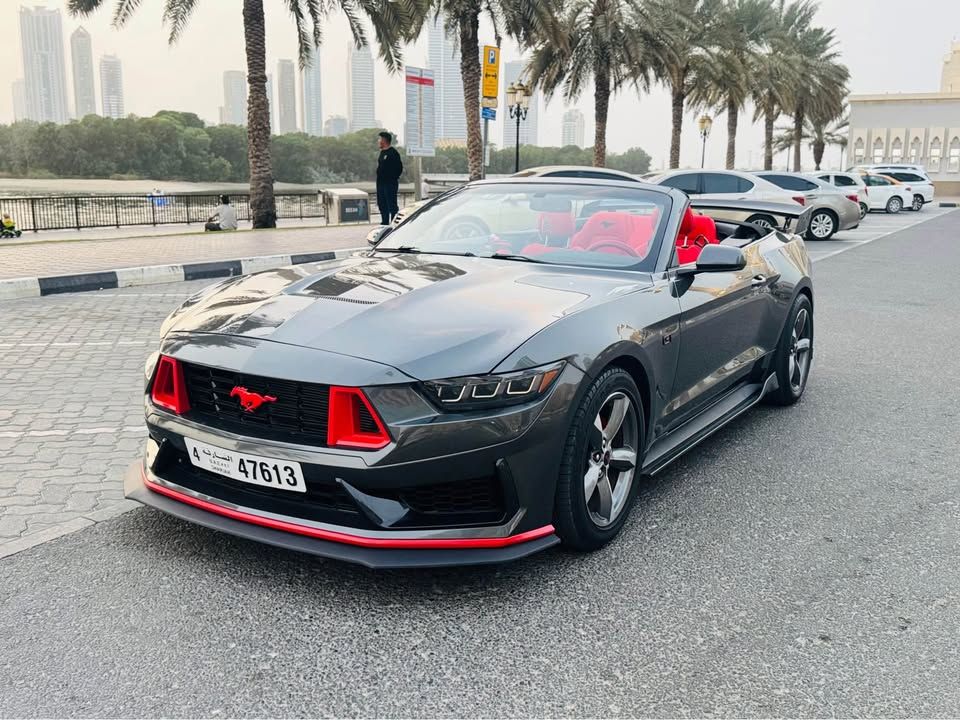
{"x":156,"y":274}
{"x":949,"y":204}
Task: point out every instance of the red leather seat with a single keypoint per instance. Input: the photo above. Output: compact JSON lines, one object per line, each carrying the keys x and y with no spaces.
{"x":696,"y":231}
{"x":616,"y":232}
{"x":556,"y":225}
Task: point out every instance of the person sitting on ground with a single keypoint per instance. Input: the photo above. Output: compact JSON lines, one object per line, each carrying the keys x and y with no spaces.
{"x":8,"y":226}
{"x":225,"y":218}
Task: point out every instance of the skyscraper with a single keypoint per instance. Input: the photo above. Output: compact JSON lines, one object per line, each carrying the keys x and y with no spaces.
{"x":44,"y":72}
{"x":528,"y":127}
{"x":286,"y":97}
{"x":310,"y":89}
{"x":19,"y":100}
{"x":335,"y":126}
{"x":81,"y":55}
{"x":572,"y":129}
{"x":111,"y":86}
{"x":361,"y":93}
{"x":271,"y":104}
{"x":234,"y":109}
{"x":443,"y":57}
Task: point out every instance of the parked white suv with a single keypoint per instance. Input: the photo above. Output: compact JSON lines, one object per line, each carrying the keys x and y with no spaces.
{"x":919,"y":181}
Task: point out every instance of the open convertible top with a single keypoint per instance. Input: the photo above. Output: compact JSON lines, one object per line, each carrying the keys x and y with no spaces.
{"x":790,"y":217}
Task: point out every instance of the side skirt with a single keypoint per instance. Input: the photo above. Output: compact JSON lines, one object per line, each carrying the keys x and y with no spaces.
{"x":671,"y":446}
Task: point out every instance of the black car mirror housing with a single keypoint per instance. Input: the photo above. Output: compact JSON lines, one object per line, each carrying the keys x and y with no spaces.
{"x":716,"y":258}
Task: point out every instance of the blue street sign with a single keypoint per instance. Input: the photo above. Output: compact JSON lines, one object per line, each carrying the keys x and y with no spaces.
{"x":488,"y":113}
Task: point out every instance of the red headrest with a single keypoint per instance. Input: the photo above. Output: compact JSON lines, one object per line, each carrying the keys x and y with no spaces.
{"x":687,"y":222}
{"x":703,"y":226}
{"x":557,"y":224}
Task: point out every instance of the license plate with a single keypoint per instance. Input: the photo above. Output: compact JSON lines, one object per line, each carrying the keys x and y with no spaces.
{"x":253,"y":469}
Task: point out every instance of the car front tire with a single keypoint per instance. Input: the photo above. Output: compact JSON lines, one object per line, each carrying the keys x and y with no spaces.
{"x":794,"y":353}
{"x":600,"y":466}
{"x":894,"y":205}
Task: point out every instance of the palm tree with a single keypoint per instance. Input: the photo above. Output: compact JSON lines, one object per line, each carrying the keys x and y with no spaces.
{"x":519,"y":19}
{"x":819,"y":89}
{"x":819,"y":132}
{"x":774,"y":70}
{"x":607,"y":41}
{"x":391,"y":22}
{"x":744,"y":28}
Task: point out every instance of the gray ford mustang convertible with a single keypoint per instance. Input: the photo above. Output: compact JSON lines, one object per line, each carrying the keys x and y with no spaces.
{"x":492,"y":378}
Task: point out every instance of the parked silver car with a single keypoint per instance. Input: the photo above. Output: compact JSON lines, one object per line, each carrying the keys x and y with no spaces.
{"x":832,"y":209}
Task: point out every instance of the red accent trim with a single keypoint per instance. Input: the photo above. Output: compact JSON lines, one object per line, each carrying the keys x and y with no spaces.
{"x":417,"y":80}
{"x":333,"y":536}
{"x":343,"y":421}
{"x":169,"y":388}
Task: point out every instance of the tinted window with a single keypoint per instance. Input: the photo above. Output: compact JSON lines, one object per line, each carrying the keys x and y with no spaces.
{"x":789,"y":182}
{"x":687,"y":182}
{"x":720,"y":183}
{"x":906,"y":177}
{"x":844,"y":181}
{"x":876,"y":181}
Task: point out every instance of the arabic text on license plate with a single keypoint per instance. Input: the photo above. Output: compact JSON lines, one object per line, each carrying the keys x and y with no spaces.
{"x":253,"y":469}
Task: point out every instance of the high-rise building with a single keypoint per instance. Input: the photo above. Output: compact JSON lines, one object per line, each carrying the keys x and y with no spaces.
{"x":286,"y":97}
{"x":528,"y":127}
{"x":271,"y":104}
{"x":335,"y":126}
{"x":572,"y":129}
{"x":81,"y":56}
{"x":44,"y":71}
{"x":361,"y":93}
{"x":111,"y":86}
{"x":234,"y":109}
{"x":443,"y":57}
{"x":950,"y":79}
{"x":19,"y":100}
{"x":312,"y":121}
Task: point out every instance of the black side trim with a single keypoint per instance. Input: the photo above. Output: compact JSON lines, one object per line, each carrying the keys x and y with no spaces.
{"x":221,"y":268}
{"x":78,"y":283}
{"x":311,"y":257}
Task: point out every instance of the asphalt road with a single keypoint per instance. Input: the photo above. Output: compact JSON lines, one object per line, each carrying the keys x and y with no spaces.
{"x":802,"y":562}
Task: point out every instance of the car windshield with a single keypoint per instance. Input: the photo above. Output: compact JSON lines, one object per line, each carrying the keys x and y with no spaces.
{"x":581,"y":224}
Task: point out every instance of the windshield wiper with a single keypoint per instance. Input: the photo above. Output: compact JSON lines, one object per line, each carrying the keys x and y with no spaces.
{"x":508,"y":256}
{"x":401,"y":249}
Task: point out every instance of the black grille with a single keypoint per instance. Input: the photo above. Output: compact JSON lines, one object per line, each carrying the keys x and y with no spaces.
{"x":299,"y":413}
{"x":480,"y":495}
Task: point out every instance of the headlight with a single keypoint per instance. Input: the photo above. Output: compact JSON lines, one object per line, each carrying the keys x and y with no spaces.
{"x":492,"y":391}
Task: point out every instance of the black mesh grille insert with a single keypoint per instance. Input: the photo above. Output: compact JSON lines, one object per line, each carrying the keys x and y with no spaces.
{"x":479,"y":495}
{"x":299,"y":413}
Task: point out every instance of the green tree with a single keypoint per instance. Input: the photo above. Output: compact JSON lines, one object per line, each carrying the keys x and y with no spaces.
{"x":392,"y":22}
{"x":610,"y":42}
{"x":818,"y":132}
{"x":685,"y":55}
{"x":519,"y":19}
{"x":744,"y":28}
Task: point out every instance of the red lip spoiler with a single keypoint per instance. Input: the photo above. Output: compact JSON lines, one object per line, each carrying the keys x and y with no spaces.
{"x":346,"y":538}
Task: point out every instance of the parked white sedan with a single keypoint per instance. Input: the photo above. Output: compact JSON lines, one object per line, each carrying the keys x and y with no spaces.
{"x":880,"y":191}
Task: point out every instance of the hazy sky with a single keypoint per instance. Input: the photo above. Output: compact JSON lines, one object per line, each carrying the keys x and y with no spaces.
{"x":889,"y":46}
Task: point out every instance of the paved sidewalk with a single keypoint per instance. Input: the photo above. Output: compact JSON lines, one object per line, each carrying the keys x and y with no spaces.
{"x":80,"y":256}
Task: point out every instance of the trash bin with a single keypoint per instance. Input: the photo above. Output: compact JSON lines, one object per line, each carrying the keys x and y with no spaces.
{"x":349,"y":205}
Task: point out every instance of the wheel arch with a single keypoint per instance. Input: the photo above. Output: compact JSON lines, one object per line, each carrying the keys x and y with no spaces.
{"x":631,"y":359}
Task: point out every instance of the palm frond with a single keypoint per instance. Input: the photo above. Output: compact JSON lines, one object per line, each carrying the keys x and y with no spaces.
{"x":176,"y":13}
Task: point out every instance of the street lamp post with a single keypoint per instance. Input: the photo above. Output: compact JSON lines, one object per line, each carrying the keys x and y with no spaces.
{"x":704,"y":123}
{"x":518,"y":101}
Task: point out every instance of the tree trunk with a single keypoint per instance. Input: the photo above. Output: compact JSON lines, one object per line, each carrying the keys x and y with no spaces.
{"x":263,"y":208}
{"x":733,"y":112}
{"x":470,"y":73}
{"x":797,"y":136}
{"x":818,"y":147}
{"x":678,"y":97}
{"x":601,"y":105}
{"x":769,"y":117}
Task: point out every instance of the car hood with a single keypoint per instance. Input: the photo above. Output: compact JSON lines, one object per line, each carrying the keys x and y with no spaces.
{"x":429,"y":316}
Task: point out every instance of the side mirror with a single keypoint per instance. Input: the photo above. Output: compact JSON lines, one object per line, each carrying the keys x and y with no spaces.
{"x":377,"y":234}
{"x":716,"y":258}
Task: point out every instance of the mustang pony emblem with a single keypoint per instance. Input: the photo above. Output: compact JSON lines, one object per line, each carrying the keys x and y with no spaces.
{"x":250,"y":401}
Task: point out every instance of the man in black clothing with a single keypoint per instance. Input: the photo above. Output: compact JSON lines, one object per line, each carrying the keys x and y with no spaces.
{"x":389,"y":168}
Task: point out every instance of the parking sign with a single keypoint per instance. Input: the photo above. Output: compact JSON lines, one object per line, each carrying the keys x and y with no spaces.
{"x":491,"y":71}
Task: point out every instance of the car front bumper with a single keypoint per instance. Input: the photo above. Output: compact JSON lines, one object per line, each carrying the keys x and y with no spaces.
{"x":382,"y":551}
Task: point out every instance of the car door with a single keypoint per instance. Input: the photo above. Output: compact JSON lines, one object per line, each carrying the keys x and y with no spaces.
{"x":880,"y":191}
{"x":726,"y":326}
